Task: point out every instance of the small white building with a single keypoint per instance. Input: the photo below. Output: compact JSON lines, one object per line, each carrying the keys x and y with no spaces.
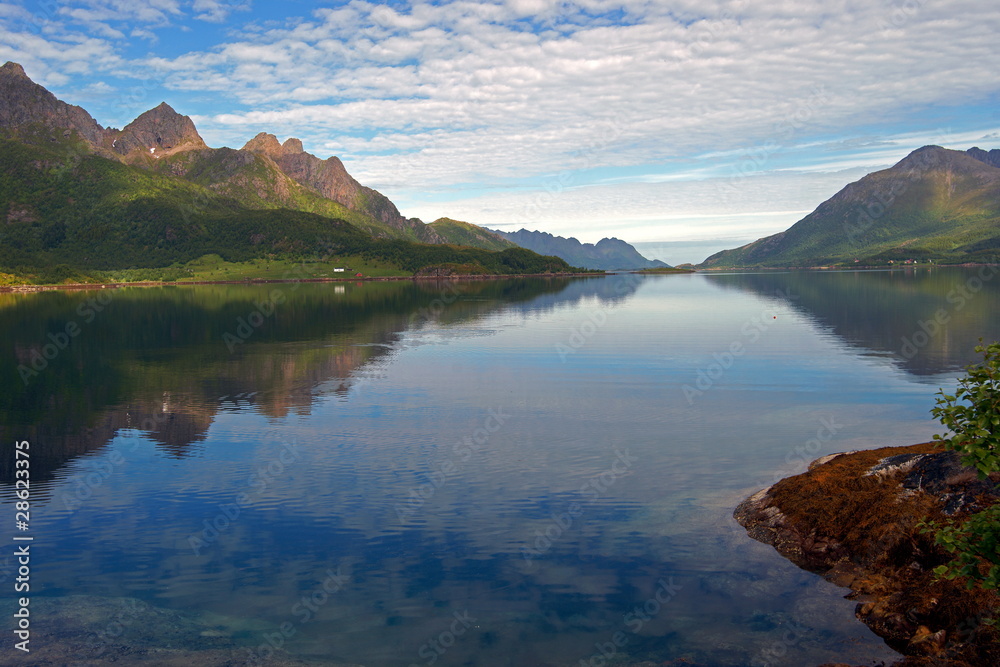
{"x":338,"y":269}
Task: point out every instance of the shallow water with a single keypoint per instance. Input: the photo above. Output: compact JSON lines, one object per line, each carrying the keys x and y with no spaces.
{"x":503,"y":473}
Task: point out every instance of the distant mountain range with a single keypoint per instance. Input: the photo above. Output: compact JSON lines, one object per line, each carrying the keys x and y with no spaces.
{"x":77,"y":198}
{"x":607,"y":254}
{"x":935,"y":205}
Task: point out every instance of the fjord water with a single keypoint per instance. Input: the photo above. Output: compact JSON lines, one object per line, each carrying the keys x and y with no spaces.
{"x":521,"y":472}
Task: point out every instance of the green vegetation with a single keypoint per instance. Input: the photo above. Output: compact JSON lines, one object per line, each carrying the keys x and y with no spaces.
{"x":936,"y":206}
{"x":257,"y":184}
{"x":975,"y":546}
{"x":666,"y":269}
{"x":464,"y":233}
{"x":973,"y":415}
{"x":78,"y":217}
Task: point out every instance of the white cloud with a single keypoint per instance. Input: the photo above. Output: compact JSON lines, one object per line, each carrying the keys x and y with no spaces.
{"x":8,"y":10}
{"x":101,"y":16}
{"x":423,"y":98}
{"x":670,"y":88}
{"x":55,"y":60}
{"x":694,"y":210}
{"x":217,"y":11}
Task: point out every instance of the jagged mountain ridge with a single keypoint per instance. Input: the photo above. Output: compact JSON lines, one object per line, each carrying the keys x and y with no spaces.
{"x":609,"y":254}
{"x":264,"y":174}
{"x":158,"y":132}
{"x":152,"y":200}
{"x":29,"y":112}
{"x":329,"y":179}
{"x":935,"y":204}
{"x":26,"y":108}
{"x":991,"y":157}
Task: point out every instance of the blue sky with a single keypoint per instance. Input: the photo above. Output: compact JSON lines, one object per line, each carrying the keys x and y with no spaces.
{"x":686,"y":125}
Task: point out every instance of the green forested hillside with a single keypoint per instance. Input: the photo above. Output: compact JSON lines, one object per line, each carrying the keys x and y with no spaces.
{"x":71,"y":214}
{"x":464,"y":233}
{"x":78,"y":199}
{"x":935,"y":205}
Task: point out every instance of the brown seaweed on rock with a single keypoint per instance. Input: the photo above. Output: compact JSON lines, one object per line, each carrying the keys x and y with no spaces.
{"x":853,"y":518}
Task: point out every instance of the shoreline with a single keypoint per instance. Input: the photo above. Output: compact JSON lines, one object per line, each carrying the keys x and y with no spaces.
{"x":853,"y":518}
{"x":27,"y":289}
{"x":857,"y":267}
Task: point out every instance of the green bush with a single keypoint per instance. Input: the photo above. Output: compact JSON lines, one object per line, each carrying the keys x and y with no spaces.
{"x":975,"y":546}
{"x":973,"y":415}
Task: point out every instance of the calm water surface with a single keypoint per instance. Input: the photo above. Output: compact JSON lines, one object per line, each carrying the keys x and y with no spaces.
{"x":500,"y":473}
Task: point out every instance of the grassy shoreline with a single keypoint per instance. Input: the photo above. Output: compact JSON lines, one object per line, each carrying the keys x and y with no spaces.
{"x":267,"y":281}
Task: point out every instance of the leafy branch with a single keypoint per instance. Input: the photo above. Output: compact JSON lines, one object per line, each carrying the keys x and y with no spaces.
{"x":973,"y":416}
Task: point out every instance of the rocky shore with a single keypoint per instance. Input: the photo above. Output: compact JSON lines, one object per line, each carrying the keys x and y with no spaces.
{"x":853,"y":518}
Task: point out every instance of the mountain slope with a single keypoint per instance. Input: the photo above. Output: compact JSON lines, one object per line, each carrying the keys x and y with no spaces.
{"x":76,"y":198}
{"x":66,"y":222}
{"x":29,"y":111}
{"x":156,"y":133}
{"x":606,"y":255}
{"x":989,"y":157}
{"x":329,"y":179}
{"x":166,"y":141}
{"x":464,"y":233}
{"x":936,"y":204}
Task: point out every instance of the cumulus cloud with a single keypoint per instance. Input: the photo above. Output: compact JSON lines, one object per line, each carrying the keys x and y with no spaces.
{"x":670,"y":82}
{"x":101,"y":15}
{"x":691,"y":210}
{"x":217,"y":11}
{"x":425,"y":97}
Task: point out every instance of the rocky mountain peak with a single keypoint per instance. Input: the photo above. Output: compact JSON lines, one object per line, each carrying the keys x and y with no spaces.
{"x":25,"y":107}
{"x":606,"y":254}
{"x":292,"y":146}
{"x":264,"y":143}
{"x":991,"y":157}
{"x":159,"y":131}
{"x":13,"y":69}
{"x":267,"y":144}
{"x":328,"y":178}
{"x":933,"y":158}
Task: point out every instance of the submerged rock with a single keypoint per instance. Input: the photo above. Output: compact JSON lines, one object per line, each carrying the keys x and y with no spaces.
{"x":853,"y":518}
{"x":86,"y":631}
